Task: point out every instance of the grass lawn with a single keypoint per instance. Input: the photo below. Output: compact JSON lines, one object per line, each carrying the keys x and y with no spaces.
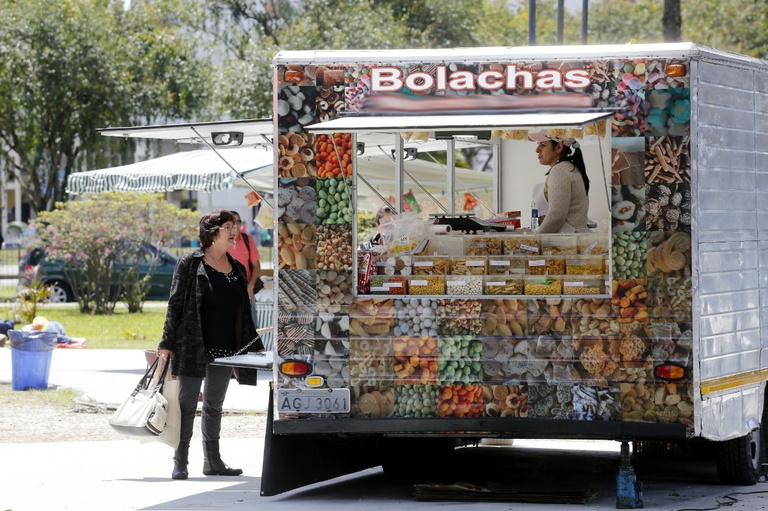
{"x":117,"y":331}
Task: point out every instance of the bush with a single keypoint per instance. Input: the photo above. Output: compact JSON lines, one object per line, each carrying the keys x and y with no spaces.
{"x":94,"y":236}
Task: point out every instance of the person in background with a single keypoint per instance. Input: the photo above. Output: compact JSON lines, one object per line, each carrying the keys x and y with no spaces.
{"x":208,"y":317}
{"x":566,"y":187}
{"x":247,"y":253}
{"x":383,"y":215}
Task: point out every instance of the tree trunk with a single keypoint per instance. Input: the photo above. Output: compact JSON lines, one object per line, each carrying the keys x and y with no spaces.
{"x":672,"y":21}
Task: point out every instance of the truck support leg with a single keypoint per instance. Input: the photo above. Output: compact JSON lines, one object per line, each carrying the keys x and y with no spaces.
{"x":629,"y":491}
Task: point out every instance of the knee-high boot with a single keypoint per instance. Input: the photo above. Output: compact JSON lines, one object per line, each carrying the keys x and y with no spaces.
{"x":180,"y":460}
{"x":212,"y":463}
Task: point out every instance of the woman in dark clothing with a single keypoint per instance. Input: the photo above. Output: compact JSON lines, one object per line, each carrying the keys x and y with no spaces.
{"x":208,"y":316}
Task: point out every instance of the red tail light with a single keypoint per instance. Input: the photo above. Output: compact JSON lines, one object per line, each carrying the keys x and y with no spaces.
{"x":671,"y":372}
{"x":295,"y":368}
{"x":29,"y":272}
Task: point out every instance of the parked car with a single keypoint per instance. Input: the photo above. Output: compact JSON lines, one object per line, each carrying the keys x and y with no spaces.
{"x":35,"y":265}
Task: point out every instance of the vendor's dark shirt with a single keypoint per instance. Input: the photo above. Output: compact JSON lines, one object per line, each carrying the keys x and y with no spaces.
{"x":218,"y":312}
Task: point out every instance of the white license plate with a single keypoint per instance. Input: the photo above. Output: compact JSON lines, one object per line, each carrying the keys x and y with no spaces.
{"x":313,"y":400}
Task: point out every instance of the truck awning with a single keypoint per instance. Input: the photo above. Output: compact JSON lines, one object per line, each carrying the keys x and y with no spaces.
{"x":458,"y":123}
{"x":254,"y":131}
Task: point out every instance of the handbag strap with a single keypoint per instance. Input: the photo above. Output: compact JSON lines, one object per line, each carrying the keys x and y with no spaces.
{"x":149,"y":376}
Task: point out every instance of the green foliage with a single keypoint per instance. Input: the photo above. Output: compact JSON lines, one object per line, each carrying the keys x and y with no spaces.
{"x":74,"y":66}
{"x":94,"y":237}
{"x":30,"y":296}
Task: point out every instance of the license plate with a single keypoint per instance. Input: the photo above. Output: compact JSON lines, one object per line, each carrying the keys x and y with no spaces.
{"x":313,"y":400}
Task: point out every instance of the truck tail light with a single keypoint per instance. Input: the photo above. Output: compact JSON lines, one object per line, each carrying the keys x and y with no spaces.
{"x":29,"y":272}
{"x":295,"y":368}
{"x":670,"y":372}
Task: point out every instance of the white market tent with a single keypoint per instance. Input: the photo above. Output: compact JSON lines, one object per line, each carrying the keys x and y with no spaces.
{"x":211,"y":169}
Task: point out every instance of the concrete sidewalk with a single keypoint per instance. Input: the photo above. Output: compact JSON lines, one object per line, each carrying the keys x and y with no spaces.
{"x":121,"y":475}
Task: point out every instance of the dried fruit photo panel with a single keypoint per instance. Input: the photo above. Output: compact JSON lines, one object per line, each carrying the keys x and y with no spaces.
{"x":296,"y":74}
{"x":372,"y":401}
{"x":460,"y":401}
{"x":334,"y":155}
{"x":504,"y":317}
{"x":296,"y":155}
{"x":667,"y":160}
{"x":628,"y":208}
{"x":506,"y":400}
{"x":295,"y":334}
{"x":550,"y":360}
{"x":460,"y":360}
{"x":668,"y":112}
{"x":668,"y":207}
{"x":669,"y":254}
{"x":415,"y":360}
{"x":296,"y":246}
{"x":335,"y":201}
{"x":627,"y":160}
{"x":334,"y":247}
{"x":416,"y":400}
{"x":670,"y":298}
{"x":596,"y":403}
{"x":459,"y":317}
{"x":296,"y":291}
{"x":550,"y":401}
{"x":334,"y":291}
{"x":333,"y":369}
{"x":416,"y":316}
{"x":371,"y":318}
{"x":297,"y":200}
{"x":549,"y":316}
{"x":370,"y":362}
{"x":629,"y":299}
{"x":505,"y":359}
{"x":629,"y":255}
{"x":295,"y":108}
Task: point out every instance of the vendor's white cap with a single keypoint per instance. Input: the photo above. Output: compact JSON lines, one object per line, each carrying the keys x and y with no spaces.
{"x":542,"y":136}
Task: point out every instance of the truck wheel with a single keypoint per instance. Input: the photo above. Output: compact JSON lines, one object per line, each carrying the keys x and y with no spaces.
{"x":739,"y":461}
{"x":395,"y":461}
{"x":60,"y":292}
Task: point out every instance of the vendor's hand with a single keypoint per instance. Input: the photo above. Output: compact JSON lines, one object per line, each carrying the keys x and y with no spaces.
{"x":164,"y":354}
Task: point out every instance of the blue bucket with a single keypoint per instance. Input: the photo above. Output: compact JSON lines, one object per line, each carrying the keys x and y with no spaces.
{"x":31,"y":354}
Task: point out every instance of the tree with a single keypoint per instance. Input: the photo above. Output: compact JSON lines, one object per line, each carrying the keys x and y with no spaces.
{"x":71,"y":67}
{"x":671,"y":21}
{"x":99,"y":246}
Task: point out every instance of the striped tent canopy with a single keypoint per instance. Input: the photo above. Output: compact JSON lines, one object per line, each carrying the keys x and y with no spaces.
{"x":200,"y":170}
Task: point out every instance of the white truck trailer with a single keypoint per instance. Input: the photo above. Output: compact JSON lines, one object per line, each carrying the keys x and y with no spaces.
{"x":652,"y":327}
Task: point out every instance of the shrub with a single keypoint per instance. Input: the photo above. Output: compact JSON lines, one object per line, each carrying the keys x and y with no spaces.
{"x":93,"y":237}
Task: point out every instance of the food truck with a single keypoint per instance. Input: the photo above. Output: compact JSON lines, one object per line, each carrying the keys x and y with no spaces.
{"x":466,"y":325}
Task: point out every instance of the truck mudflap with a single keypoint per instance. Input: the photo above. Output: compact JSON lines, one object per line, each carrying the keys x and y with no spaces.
{"x":287,"y":457}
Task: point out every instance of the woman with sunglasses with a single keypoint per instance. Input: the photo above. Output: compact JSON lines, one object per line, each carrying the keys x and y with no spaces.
{"x":209,"y":316}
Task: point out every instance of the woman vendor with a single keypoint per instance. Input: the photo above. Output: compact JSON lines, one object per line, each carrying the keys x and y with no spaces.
{"x":566,"y":187}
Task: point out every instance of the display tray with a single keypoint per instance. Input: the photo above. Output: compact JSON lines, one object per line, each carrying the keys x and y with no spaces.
{"x":260,"y":360}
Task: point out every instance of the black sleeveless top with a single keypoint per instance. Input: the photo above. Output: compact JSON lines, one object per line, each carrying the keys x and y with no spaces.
{"x":221,"y":301}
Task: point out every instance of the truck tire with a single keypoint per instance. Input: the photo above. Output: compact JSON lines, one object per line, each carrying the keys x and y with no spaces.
{"x":60,"y":292}
{"x":739,"y":461}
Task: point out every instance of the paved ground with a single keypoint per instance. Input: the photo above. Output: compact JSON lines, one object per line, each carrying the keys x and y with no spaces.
{"x":109,"y":475}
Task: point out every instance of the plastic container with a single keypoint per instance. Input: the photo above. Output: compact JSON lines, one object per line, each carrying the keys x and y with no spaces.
{"x":546,"y":265}
{"x":426,"y":285}
{"x":504,"y":284}
{"x":468,"y":265}
{"x":400,"y":265}
{"x":389,"y":285}
{"x":584,"y":265}
{"x":431,"y":265}
{"x":522,"y":244}
{"x":482,"y":245}
{"x":31,"y":354}
{"x":543,"y":284}
{"x":593,"y":244}
{"x":583,"y":285}
{"x":559,"y":244}
{"x":507,"y":265}
{"x":464,"y":285}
